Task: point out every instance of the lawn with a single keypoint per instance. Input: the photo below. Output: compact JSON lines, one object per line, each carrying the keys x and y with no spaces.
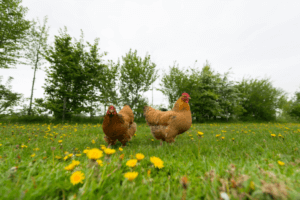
{"x":240,"y":160}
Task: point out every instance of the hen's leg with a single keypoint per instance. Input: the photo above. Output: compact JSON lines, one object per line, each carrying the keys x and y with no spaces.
{"x":125,"y":139}
{"x":109,"y":141}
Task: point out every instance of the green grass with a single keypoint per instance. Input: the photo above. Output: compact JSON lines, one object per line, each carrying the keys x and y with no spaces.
{"x":244,"y":168}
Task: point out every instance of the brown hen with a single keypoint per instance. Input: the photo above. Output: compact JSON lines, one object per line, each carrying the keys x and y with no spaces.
{"x":118,"y":126}
{"x":166,"y":125}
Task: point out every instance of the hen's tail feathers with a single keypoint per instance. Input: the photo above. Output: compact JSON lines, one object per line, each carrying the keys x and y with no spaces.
{"x":132,"y":129}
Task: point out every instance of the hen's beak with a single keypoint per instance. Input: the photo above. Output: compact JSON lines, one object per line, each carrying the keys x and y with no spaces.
{"x":111,"y":111}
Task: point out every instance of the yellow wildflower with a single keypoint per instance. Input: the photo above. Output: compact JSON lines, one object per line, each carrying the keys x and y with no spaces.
{"x":77,"y":177}
{"x":93,"y":141}
{"x":139,"y":156}
{"x":158,"y":163}
{"x":281,"y":163}
{"x":131,"y":163}
{"x":85,"y":151}
{"x":120,"y":149}
{"x":149,"y":172}
{"x":75,"y":162}
{"x":70,"y":167}
{"x":109,"y":151}
{"x":100,"y":162}
{"x":273,"y":135}
{"x":32,"y":155}
{"x":131,"y":175}
{"x":78,"y":154}
{"x":58,"y":157}
{"x":200,"y":133}
{"x":122,"y":156}
{"x":94,"y":154}
{"x":59,"y":141}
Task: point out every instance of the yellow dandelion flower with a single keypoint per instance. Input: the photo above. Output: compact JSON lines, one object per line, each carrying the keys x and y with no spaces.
{"x":281,"y":163}
{"x":131,"y":163}
{"x":158,"y":163}
{"x":252,"y":186}
{"x":59,"y":141}
{"x":149,"y":172}
{"x":232,"y":139}
{"x":200,"y":133}
{"x":103,"y":147}
{"x":139,"y":156}
{"x":100,"y":162}
{"x":152,"y":140}
{"x":77,"y":177}
{"x":66,"y":157}
{"x":122,"y":156}
{"x":58,"y":157}
{"x":120,"y":149}
{"x":70,"y":167}
{"x":93,"y":141}
{"x":94,"y":154}
{"x":32,"y":155}
{"x":75,"y":162}
{"x":0,"y":145}
{"x":109,"y":151}
{"x":78,"y":155}
{"x":131,"y":175}
{"x":223,"y":138}
{"x":273,"y":135}
{"x":85,"y":151}
{"x":218,"y":135}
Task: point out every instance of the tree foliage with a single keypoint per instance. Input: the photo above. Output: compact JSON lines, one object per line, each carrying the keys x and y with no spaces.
{"x":211,"y":95}
{"x":136,"y":77}
{"x":8,"y":98}
{"x":295,"y":106}
{"x":13,"y":32}
{"x":37,"y":37}
{"x":261,"y":99}
{"x":66,"y":84}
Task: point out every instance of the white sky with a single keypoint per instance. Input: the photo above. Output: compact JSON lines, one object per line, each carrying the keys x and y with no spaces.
{"x":254,"y":38}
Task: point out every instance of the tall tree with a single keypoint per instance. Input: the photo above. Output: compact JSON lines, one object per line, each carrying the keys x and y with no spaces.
{"x":66,"y":85}
{"x":174,"y":84}
{"x":108,"y":86}
{"x":13,"y":32}
{"x":137,"y":75}
{"x":260,"y":99}
{"x":295,"y":106}
{"x":8,"y":99}
{"x":33,"y":53}
{"x":230,"y":99}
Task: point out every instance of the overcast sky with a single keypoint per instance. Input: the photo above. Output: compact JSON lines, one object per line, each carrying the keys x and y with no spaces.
{"x":255,"y":39}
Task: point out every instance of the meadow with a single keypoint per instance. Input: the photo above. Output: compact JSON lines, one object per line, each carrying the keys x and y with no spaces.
{"x":240,"y":160}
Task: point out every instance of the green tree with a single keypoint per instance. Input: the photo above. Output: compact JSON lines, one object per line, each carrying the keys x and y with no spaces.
{"x":108,"y":85}
{"x":13,"y":32}
{"x":33,"y":51}
{"x":295,"y":106}
{"x":260,"y":99}
{"x":174,"y":84}
{"x":205,"y":86}
{"x":230,"y":99}
{"x":66,"y":84}
{"x":8,"y":99}
{"x":137,"y":75}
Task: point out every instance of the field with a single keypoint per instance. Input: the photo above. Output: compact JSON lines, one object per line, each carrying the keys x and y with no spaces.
{"x":244,"y":161}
